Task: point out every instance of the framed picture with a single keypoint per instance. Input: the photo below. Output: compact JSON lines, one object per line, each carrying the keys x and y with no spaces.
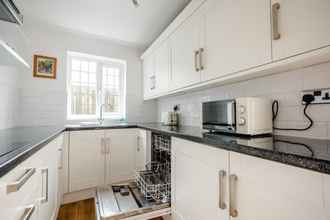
{"x":44,"y":67}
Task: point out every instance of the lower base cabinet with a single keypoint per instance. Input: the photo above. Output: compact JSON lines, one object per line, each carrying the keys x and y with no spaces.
{"x":210,"y":183}
{"x":121,"y":156}
{"x":29,"y":191}
{"x":326,"y":187}
{"x":267,"y":190}
{"x":86,"y":159}
{"x":199,"y":181}
{"x":99,"y":157}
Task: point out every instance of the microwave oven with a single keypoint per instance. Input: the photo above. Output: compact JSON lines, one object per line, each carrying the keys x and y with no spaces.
{"x":247,"y":116}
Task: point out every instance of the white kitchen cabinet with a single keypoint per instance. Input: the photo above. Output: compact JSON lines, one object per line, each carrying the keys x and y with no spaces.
{"x":185,"y":46}
{"x":303,"y":25}
{"x":162,"y":68}
{"x":120,"y":156}
{"x":326,"y":187}
{"x":236,"y":36}
{"x":49,"y":179}
{"x":271,"y":191}
{"x":37,"y":191}
{"x":197,"y":186}
{"x":14,"y":203}
{"x":149,"y":77}
{"x":141,"y":151}
{"x":86,"y":159}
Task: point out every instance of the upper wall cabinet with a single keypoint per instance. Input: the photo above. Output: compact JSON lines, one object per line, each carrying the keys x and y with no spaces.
{"x":156,"y":71}
{"x":162,"y":68}
{"x":185,"y":49}
{"x":149,"y":78}
{"x":213,"y":42}
{"x":299,"y":26}
{"x":237,"y":36}
{"x":14,"y":50}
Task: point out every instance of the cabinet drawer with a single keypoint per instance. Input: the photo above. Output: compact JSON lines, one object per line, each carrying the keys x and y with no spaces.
{"x":18,"y":186}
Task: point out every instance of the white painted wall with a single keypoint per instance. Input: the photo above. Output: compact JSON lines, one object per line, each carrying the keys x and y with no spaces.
{"x":285,"y":87}
{"x":9,"y":96}
{"x":43,"y":101}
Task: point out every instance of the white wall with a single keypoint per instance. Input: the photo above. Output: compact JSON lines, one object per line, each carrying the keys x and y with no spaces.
{"x":9,"y":96}
{"x":285,"y":87}
{"x":43,"y":101}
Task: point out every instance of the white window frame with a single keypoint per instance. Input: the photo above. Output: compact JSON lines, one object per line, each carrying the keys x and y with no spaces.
{"x":100,"y":63}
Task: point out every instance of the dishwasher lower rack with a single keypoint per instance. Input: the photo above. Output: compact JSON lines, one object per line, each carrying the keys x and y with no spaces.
{"x":155,"y":182}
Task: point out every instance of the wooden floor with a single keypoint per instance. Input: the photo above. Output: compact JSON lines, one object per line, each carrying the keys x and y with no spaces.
{"x":83,"y":210}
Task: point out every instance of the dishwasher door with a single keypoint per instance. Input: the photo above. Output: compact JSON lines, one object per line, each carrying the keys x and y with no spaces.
{"x":126,"y":202}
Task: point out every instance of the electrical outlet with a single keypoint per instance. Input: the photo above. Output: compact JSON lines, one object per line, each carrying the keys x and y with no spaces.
{"x":322,"y":96}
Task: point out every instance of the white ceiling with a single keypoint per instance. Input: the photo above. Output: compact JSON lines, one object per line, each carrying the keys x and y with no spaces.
{"x":116,"y":20}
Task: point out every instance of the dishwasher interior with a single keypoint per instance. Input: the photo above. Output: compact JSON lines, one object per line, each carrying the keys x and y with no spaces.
{"x":148,"y":196}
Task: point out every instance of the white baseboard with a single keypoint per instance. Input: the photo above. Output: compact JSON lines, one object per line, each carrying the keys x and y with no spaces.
{"x":79,"y":195}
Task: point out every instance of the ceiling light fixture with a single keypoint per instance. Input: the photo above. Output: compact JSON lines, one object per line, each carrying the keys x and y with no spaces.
{"x":136,"y":3}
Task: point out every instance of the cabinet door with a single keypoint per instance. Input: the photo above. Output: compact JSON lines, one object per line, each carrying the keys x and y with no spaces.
{"x":271,"y":191}
{"x":86,"y":160}
{"x":196,"y":182}
{"x":149,"y":76}
{"x":49,"y":180}
{"x":237,"y":36}
{"x":184,"y":44}
{"x":162,"y":68}
{"x":120,"y":165}
{"x":141,"y":151}
{"x":14,"y":203}
{"x":303,"y":25}
{"x":326,"y":186}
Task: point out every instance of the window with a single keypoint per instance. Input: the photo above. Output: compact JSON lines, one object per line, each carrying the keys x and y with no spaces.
{"x":94,"y":81}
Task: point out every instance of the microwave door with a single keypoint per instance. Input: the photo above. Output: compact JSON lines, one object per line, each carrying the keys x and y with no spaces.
{"x":219,"y":115}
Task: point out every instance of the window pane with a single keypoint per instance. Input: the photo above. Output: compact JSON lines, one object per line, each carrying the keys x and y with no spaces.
{"x":83,"y":88}
{"x":92,"y":67}
{"x":84,"y":66}
{"x":75,"y":76}
{"x":75,"y":64}
{"x":111,"y":89}
{"x":84,"y":77}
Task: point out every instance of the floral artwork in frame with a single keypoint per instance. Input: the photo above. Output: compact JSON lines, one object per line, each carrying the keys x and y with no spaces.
{"x":44,"y":67}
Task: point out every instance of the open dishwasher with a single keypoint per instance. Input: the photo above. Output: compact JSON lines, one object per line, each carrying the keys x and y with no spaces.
{"x":147,"y":197}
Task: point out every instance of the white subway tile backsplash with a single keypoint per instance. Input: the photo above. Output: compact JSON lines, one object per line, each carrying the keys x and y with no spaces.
{"x":285,"y":87}
{"x":9,"y":96}
{"x":316,"y":77}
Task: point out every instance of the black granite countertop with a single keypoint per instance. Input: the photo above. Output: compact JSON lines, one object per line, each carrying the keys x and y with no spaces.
{"x":17,"y":144}
{"x":312,"y":154}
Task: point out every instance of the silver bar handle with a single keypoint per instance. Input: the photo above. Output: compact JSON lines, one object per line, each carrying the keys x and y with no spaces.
{"x":15,"y":186}
{"x":28,"y":212}
{"x":222,"y":175}
{"x":232,"y":195}
{"x":107,"y":147}
{"x":138,"y":144}
{"x":201,"y":65}
{"x":196,"y":60}
{"x":102,"y":145}
{"x":60,"y":150}
{"x":275,"y":14}
{"x":45,"y":172}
